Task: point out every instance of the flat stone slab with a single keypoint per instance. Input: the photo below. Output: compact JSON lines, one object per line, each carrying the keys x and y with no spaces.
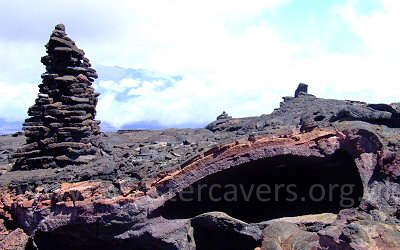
{"x":66,"y":79}
{"x":75,"y":99}
{"x":76,"y":145}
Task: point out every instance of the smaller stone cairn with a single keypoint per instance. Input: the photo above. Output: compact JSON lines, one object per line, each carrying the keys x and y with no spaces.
{"x":224,"y":115}
{"x":62,"y":129}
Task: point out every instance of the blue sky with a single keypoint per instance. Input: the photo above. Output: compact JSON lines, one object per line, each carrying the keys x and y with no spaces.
{"x":238,"y":56}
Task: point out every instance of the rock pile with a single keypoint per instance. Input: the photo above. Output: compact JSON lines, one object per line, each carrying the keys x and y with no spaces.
{"x":302,"y":88}
{"x":224,"y":115}
{"x":61,"y":129}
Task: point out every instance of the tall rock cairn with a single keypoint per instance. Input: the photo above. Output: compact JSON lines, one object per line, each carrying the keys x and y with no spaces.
{"x":61,"y":129}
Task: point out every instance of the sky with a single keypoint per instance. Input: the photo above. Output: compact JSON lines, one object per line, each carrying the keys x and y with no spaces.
{"x":233,"y":55}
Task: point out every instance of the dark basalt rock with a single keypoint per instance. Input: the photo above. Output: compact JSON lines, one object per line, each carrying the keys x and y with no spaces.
{"x":301,"y":89}
{"x":64,"y":110}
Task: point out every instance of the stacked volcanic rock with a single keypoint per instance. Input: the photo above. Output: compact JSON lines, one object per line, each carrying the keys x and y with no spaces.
{"x":224,"y":115}
{"x":61,"y":130}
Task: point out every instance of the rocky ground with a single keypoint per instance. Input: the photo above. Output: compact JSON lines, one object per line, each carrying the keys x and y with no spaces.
{"x":121,"y":199}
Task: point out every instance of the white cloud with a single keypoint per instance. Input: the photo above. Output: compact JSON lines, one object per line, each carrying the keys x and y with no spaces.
{"x":377,"y":29}
{"x":129,"y":83}
{"x":14,"y":100}
{"x":185,"y":101}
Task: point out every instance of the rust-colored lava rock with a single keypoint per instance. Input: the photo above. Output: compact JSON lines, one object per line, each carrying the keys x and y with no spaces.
{"x":314,"y":174}
{"x":61,"y":129}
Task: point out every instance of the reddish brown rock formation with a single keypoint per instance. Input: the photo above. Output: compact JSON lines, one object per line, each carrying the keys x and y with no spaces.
{"x":61,"y":129}
{"x":14,"y":240}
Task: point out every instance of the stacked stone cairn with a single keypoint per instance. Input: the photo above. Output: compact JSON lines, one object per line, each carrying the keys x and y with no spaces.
{"x":62,"y":129}
{"x":223,"y":116}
